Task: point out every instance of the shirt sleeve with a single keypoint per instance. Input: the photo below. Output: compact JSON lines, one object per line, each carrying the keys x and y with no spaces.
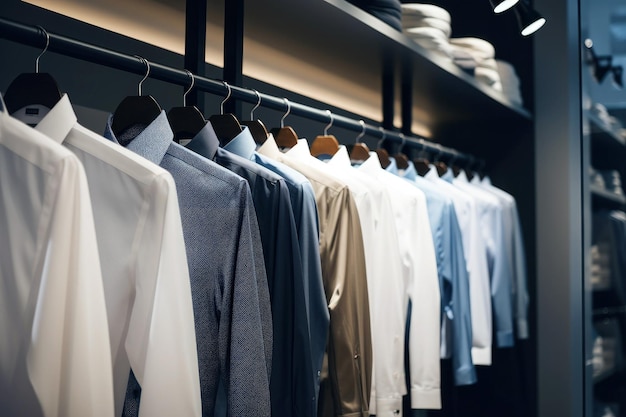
{"x":501,"y":282}
{"x":460,"y":310}
{"x":161,"y":342}
{"x":245,"y":323}
{"x":69,"y":359}
{"x":521,"y":293}
{"x":424,"y":335}
{"x":346,"y":384}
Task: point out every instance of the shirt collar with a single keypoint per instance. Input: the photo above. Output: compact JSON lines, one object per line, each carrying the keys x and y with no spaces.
{"x":243,"y":144}
{"x":410,"y":173}
{"x":432,"y":172}
{"x":152,"y":143}
{"x":448,"y":176}
{"x":371,"y":164}
{"x":392,"y":167}
{"x":341,"y":158}
{"x":486,"y":180}
{"x":59,"y":120}
{"x":205,"y":142}
{"x":300,"y":150}
{"x":462,"y":176}
{"x":270,"y":148}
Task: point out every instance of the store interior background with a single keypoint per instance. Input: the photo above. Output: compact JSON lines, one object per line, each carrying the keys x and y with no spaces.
{"x":543,"y":165}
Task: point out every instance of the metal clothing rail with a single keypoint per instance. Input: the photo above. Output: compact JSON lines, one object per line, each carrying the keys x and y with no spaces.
{"x":33,"y":36}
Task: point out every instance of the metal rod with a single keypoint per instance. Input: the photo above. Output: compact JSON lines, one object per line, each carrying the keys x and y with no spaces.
{"x":30,"y":35}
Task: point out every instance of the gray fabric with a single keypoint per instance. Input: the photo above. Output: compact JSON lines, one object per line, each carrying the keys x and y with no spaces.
{"x":228,"y":282}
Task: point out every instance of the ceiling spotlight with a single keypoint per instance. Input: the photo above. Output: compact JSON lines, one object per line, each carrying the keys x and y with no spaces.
{"x":528,"y":18}
{"x":499,"y":6}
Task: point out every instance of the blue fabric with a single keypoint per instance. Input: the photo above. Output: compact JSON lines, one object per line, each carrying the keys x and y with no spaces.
{"x":291,"y":387}
{"x":453,"y":277}
{"x":228,"y":281}
{"x":307,"y":225}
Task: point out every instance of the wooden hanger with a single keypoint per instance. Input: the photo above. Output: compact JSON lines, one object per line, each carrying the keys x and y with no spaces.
{"x":325,"y":144}
{"x":360,"y":151}
{"x":36,"y":88}
{"x":226,"y":126}
{"x":186,"y":121}
{"x":257,"y":128}
{"x":402,"y":161}
{"x":135,"y":110}
{"x":422,"y":165}
{"x":285,"y":137}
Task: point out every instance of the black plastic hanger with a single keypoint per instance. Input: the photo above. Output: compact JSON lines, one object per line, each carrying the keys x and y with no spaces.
{"x":226,"y":126}
{"x":257,"y":128}
{"x":360,"y":151}
{"x":402,"y":161}
{"x":36,"y":88}
{"x":135,"y":110}
{"x":325,"y":144}
{"x":285,"y":136}
{"x":186,"y":121}
{"x":383,"y":155}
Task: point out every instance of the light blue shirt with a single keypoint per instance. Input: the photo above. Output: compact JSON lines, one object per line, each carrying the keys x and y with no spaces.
{"x":453,"y":277}
{"x":307,"y":223}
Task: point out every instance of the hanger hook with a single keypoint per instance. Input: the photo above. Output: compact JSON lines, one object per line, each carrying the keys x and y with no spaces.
{"x":403,"y":141}
{"x":193,"y":81}
{"x":145,"y":61}
{"x":282,"y":119}
{"x":47,"y":35}
{"x":329,"y":125}
{"x":383,"y":136}
{"x":439,"y":152}
{"x":362,"y":123}
{"x":227,"y":97}
{"x":258,"y":103}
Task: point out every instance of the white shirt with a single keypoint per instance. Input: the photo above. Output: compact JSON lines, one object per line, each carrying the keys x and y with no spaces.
{"x":144,"y":264}
{"x":493,"y":232}
{"x":55,"y":359}
{"x":476,"y":259}
{"x":421,"y":283}
{"x":517,"y":255}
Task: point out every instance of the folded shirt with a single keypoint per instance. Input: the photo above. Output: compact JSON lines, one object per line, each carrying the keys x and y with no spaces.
{"x":425,"y":10}
{"x":409,"y":22}
{"x":479,"y":48}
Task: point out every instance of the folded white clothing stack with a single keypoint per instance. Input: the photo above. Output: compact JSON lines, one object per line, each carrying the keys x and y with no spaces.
{"x":429,"y":26}
{"x":482,"y":59}
{"x":510,"y":81}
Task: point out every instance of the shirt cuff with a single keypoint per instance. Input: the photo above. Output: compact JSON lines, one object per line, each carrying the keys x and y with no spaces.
{"x":388,"y":407}
{"x":522,"y":329}
{"x":426,"y":399}
{"x":481,"y":355}
{"x":505,"y":339}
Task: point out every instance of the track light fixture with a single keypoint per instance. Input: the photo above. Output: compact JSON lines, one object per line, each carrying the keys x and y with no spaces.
{"x":529,"y":19}
{"x":501,"y":5}
{"x":601,"y":65}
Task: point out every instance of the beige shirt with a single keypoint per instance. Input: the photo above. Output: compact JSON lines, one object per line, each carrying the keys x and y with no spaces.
{"x":346,"y":378}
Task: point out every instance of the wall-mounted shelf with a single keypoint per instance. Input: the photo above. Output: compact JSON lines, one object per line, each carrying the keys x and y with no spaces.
{"x":336,"y":34}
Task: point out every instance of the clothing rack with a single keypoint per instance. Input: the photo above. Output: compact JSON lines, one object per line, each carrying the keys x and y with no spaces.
{"x":33,"y":36}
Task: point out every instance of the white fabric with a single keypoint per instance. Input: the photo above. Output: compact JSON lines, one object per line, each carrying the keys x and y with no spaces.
{"x":421,"y":283}
{"x":146,"y":280}
{"x":426,"y":33}
{"x":425,"y":10}
{"x":480,"y":48}
{"x":409,"y":22}
{"x":517,"y":255}
{"x":55,"y":359}
{"x":475,"y":250}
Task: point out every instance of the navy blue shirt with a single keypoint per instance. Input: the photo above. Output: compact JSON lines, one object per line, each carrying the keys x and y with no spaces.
{"x":228,"y":282}
{"x":292,"y":392}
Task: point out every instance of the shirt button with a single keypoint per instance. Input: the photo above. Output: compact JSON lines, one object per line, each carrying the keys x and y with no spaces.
{"x":356,"y":356}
